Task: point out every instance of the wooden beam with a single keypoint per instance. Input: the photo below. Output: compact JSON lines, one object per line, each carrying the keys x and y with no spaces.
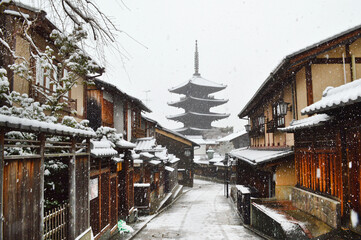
{"x":42,"y":139}
{"x":2,"y":143}
{"x":309,"y":85}
{"x":88,"y":167}
{"x":72,"y":193}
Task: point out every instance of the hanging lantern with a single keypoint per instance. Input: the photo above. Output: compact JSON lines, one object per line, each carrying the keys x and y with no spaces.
{"x":282,"y":107}
{"x":247,"y":127}
{"x":261,"y":120}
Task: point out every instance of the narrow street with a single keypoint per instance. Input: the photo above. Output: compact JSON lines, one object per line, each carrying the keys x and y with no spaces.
{"x":201,"y":213}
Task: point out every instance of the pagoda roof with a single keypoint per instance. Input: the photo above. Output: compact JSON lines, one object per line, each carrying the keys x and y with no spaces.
{"x":194,"y":100}
{"x":198,"y":82}
{"x":183,"y":129}
{"x":215,"y":116}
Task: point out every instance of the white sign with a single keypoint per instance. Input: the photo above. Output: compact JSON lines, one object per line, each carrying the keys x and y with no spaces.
{"x":94,"y":188}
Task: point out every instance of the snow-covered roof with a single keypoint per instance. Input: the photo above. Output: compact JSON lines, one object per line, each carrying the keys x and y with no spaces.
{"x":162,"y":154}
{"x":154,"y":162}
{"x":144,"y":144}
{"x":191,"y":99}
{"x":216,"y":159}
{"x":215,"y":115}
{"x":146,"y":155}
{"x":118,"y":90}
{"x":102,"y":148}
{"x":219,"y":164}
{"x":232,"y":136}
{"x":258,"y":156}
{"x":198,"y":81}
{"x":23,"y":124}
{"x":335,"y":97}
{"x":173,"y":158}
{"x":158,"y":126}
{"x":191,"y":128}
{"x":125,"y":144}
{"x":16,"y":13}
{"x":309,"y":122}
{"x":170,"y":169}
{"x":201,"y":159}
{"x":120,"y":158}
{"x":197,"y":138}
{"x":135,"y":155}
{"x":138,"y":161}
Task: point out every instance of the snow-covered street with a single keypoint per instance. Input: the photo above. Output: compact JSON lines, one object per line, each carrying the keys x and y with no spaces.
{"x":201,"y":213}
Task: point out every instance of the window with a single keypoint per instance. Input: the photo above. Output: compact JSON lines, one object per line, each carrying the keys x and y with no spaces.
{"x":279,"y":120}
{"x":39,"y":73}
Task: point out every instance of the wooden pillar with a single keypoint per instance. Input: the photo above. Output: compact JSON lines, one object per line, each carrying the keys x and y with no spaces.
{"x":2,"y":143}
{"x":72,"y":193}
{"x":309,"y":84}
{"x":41,"y":180}
{"x":88,"y":167}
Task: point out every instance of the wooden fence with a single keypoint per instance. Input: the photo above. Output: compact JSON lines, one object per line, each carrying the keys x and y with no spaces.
{"x":55,"y":223}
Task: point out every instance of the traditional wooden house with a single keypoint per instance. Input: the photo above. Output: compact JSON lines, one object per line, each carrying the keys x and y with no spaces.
{"x":297,"y":82}
{"x":183,"y":148}
{"x":109,"y":106}
{"x":316,"y":165}
{"x":12,"y":19}
{"x":149,"y":176}
{"x":327,"y":157}
{"x":103,"y":215}
{"x":22,"y":181}
{"x":111,"y":195}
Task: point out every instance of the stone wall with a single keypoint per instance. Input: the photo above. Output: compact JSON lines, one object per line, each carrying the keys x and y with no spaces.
{"x":325,"y":209}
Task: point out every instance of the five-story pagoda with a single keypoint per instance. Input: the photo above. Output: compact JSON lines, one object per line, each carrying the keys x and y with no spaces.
{"x":197,"y":102}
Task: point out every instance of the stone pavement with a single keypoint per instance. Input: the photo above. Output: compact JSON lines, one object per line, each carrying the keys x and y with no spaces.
{"x":201,"y":213}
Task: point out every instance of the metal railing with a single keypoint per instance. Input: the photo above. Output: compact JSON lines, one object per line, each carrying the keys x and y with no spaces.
{"x":55,"y":223}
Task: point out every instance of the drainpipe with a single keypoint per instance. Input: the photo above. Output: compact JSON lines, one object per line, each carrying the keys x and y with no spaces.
{"x":344,"y":67}
{"x":353,"y":67}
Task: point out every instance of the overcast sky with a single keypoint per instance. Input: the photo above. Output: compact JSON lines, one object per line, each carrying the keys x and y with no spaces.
{"x":240,"y":43}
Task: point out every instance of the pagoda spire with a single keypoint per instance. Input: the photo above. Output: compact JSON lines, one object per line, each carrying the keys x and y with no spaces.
{"x":196,"y":61}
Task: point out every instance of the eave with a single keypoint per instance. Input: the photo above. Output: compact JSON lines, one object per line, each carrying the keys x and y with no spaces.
{"x":190,"y":99}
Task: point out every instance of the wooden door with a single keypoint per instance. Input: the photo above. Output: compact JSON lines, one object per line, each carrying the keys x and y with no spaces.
{"x":113,"y":200}
{"x":353,"y":156}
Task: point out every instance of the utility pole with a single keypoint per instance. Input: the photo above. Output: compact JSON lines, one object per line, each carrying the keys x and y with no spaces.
{"x":146,"y":100}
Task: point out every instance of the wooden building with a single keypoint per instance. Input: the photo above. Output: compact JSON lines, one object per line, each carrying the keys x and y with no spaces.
{"x":109,"y":106}
{"x":327,"y":155}
{"x":149,"y":174}
{"x":11,"y":24}
{"x":22,"y":192}
{"x":298,"y":82}
{"x":183,"y":148}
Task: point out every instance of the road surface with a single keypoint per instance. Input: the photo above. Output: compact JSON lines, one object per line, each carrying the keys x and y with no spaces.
{"x":201,"y":213}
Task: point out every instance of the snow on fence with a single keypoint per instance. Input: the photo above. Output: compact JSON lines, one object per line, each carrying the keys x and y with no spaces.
{"x":55,"y":223}
{"x":22,"y":174}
